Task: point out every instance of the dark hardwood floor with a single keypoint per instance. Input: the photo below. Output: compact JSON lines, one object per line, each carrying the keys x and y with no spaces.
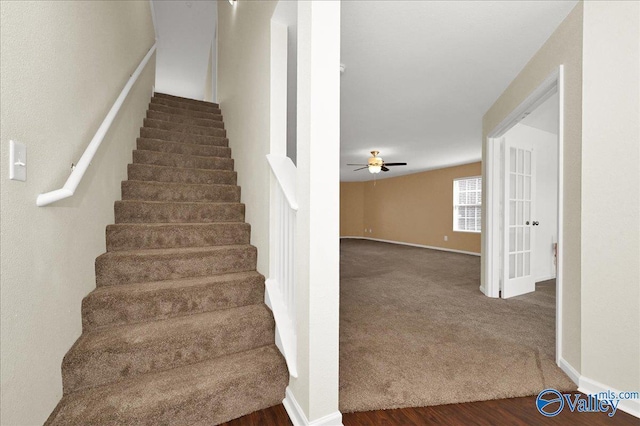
{"x":515,"y":411}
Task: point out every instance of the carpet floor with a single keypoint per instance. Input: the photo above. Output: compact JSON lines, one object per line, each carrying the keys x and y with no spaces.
{"x":415,"y":330}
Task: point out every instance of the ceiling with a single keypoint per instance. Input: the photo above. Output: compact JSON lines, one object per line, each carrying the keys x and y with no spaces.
{"x":421,"y":74}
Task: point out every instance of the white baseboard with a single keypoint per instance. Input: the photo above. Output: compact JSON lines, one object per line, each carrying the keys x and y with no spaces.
{"x":546,"y":278}
{"x":299,"y":418}
{"x":569,"y":370}
{"x":590,"y":387}
{"x":412,"y":245}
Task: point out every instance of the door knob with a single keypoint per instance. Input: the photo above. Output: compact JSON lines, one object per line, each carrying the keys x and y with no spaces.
{"x":527,"y":222}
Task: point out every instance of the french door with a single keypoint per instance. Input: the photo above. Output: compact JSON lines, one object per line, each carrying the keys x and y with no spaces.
{"x":519,"y":208}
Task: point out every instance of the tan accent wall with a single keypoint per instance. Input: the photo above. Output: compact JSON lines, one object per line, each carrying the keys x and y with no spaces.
{"x":352,"y":209}
{"x":243,"y":92}
{"x":63,"y":65}
{"x":563,"y":47}
{"x":415,"y":208}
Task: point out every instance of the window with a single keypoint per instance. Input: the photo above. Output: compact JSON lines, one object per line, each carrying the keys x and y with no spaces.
{"x":467,"y":204}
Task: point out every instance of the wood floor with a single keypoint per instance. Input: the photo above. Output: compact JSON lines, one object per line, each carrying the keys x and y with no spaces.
{"x":513,"y":412}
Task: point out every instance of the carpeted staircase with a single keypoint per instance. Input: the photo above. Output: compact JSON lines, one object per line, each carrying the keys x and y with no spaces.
{"x":176,"y":331}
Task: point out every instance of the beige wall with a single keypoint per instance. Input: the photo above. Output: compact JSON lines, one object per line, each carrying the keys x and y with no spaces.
{"x":563,"y":47}
{"x":243,"y":93}
{"x":610,"y":196}
{"x":352,"y":209}
{"x":415,"y":208}
{"x":63,"y":65}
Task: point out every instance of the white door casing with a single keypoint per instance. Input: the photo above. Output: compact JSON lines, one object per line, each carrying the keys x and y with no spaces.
{"x":519,"y":225}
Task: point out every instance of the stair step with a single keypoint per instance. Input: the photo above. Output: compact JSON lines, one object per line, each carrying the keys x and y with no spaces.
{"x":151,"y":236}
{"x":183,"y":148}
{"x":180,"y":175}
{"x":166,"y":135}
{"x":159,"y":158}
{"x":128,"y":304}
{"x":184,"y":112}
{"x":136,"y":266}
{"x":185,"y":128}
{"x":116,"y":353}
{"x":179,"y":192}
{"x":207,"y":393}
{"x":131,"y":211}
{"x":189,"y":100}
{"x":182,"y":119}
{"x":185,"y":105}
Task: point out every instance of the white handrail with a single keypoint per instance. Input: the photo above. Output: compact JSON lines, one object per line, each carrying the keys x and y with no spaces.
{"x":78,"y":172}
{"x":285,"y":172}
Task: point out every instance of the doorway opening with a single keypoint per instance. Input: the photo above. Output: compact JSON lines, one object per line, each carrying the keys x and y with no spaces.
{"x":524,"y":192}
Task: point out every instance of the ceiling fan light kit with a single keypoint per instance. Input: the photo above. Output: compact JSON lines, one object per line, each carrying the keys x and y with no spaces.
{"x":376,"y":164}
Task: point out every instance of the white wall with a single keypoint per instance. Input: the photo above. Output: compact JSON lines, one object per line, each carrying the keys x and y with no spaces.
{"x":545,"y":145}
{"x":611,"y":200}
{"x":185,"y":31}
{"x":63,"y":65}
{"x":292,"y":86}
{"x":286,"y":13}
{"x":209,"y":81}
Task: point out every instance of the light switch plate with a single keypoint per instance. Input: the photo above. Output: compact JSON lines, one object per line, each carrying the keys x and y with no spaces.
{"x":17,"y":161}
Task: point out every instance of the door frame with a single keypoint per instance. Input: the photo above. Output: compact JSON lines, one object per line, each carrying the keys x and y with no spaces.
{"x":493,"y":180}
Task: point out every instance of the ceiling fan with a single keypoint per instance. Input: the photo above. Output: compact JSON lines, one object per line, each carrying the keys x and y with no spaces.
{"x":376,"y":164}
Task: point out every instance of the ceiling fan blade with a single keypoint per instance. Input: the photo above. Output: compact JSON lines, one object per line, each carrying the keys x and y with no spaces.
{"x":361,"y":168}
{"x":384,"y":169}
{"x":395,"y":164}
{"x":351,"y":164}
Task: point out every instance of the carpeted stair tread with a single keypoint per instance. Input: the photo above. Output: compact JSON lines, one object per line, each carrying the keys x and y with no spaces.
{"x":185,"y":112}
{"x":133,"y":303}
{"x":185,"y":105}
{"x":134,"y":266}
{"x":167,"y":135}
{"x":137,"y":211}
{"x":183,"y":148}
{"x":183,"y":119}
{"x":206,"y":393}
{"x":176,"y":331}
{"x":116,"y":353}
{"x":187,"y":100}
{"x":152,"y":236}
{"x":168,"y":191}
{"x":153,"y":173}
{"x":184,"y":128}
{"x":181,"y":160}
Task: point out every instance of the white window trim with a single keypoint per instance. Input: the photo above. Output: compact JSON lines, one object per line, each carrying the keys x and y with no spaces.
{"x":455,"y":218}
